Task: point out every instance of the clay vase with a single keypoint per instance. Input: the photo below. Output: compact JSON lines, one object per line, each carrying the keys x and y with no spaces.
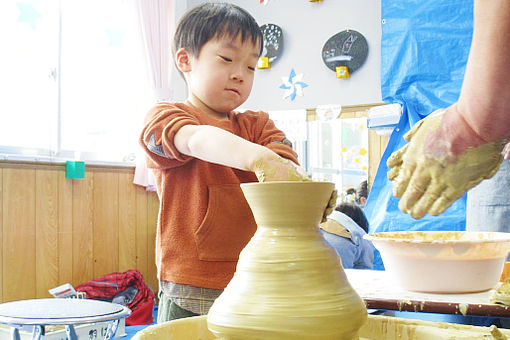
{"x":288,"y":284}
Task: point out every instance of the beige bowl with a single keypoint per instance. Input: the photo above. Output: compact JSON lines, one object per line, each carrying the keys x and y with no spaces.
{"x":443,"y":261}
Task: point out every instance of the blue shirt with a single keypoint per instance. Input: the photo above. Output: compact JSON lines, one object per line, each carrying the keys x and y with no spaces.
{"x":355,"y":251}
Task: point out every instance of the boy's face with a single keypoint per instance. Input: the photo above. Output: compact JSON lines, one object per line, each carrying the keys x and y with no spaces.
{"x":221,"y":76}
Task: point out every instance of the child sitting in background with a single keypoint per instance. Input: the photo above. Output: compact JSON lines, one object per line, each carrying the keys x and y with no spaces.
{"x":355,"y":213}
{"x":201,"y":151}
{"x":362,"y":194}
{"x":343,"y":231}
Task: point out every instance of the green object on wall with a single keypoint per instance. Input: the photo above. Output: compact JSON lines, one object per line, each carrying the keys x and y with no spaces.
{"x":75,"y":169}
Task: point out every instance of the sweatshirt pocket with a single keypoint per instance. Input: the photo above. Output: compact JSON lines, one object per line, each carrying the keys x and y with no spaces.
{"x":228,"y":224}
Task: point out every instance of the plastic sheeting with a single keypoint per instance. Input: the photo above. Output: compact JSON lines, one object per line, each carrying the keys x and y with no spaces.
{"x":424,"y":50}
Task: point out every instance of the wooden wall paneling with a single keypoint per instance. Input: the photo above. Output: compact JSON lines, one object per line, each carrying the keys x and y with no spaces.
{"x":376,"y":146}
{"x":141,"y":229}
{"x":46,"y":231}
{"x":65,"y":228}
{"x":1,"y":235}
{"x":127,"y":222}
{"x":373,"y":153}
{"x":384,"y":143}
{"x":19,"y":240}
{"x":52,"y":228}
{"x":153,"y":212}
{"x":106,"y":222}
{"x":83,"y":229}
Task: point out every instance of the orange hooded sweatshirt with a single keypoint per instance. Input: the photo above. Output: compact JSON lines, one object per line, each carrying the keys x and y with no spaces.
{"x":204,"y":220}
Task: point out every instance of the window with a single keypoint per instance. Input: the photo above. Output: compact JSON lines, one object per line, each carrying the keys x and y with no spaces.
{"x":73,"y":80}
{"x":338,"y":151}
{"x":334,"y":150}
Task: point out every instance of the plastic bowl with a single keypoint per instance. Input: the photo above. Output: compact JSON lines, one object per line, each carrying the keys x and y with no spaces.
{"x":443,"y":261}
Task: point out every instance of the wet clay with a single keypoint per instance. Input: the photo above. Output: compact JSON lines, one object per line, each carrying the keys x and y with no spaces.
{"x":289,"y":284}
{"x":502,"y":293}
{"x":428,"y":181}
{"x":377,"y":327}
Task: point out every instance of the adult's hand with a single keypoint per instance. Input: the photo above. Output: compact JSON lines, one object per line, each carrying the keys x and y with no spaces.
{"x":430,"y":173}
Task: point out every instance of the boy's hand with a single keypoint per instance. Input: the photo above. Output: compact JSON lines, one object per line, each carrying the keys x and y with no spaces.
{"x":331,"y":205}
{"x":272,"y":167}
{"x":430,"y":173}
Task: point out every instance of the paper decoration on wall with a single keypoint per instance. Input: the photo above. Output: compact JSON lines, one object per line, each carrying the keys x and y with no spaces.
{"x":355,"y":158}
{"x":28,"y":14}
{"x":293,"y":85}
{"x":272,"y":45}
{"x":345,"y":52}
{"x":328,"y":112}
{"x":354,"y":150}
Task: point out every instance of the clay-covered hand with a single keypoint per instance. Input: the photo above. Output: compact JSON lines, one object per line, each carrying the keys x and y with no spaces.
{"x":428,"y":177}
{"x":331,"y":205}
{"x":272,"y":167}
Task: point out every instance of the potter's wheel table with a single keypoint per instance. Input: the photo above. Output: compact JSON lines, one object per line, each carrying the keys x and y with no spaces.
{"x":379,"y":292}
{"x":68,"y":312}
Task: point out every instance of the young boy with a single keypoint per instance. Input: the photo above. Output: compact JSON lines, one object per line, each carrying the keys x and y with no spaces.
{"x":200,"y":151}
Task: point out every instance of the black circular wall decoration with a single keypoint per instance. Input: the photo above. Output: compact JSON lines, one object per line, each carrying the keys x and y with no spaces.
{"x":273,"y":41}
{"x":347,"y":48}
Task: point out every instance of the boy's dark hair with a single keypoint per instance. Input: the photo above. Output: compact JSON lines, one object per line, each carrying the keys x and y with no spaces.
{"x":355,"y":213}
{"x":214,"y":20}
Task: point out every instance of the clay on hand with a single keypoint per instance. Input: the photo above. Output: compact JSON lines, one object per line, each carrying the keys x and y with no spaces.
{"x":428,"y":177}
{"x":331,"y":206}
{"x":276,"y":168}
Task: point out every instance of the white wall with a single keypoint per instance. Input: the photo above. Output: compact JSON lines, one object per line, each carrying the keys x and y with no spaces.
{"x":306,"y":27}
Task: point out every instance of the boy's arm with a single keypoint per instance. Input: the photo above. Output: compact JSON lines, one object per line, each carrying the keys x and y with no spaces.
{"x":212,"y":144}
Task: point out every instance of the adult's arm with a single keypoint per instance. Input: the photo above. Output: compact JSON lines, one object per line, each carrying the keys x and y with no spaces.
{"x":452,"y":150}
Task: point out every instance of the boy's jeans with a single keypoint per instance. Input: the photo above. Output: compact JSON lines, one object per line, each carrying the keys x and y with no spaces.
{"x":168,"y":310}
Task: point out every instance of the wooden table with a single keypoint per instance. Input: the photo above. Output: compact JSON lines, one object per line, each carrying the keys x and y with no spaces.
{"x":380,"y":292}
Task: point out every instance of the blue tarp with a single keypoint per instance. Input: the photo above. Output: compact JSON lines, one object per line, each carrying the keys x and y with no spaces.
{"x":424,"y":50}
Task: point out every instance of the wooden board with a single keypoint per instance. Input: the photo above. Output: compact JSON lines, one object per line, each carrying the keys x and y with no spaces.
{"x":379,"y":291}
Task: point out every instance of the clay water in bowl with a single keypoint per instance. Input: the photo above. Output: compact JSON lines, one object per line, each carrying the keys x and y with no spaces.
{"x":443,"y":261}
{"x":289,"y":284}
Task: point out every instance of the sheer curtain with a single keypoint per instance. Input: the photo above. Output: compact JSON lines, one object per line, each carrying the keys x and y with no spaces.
{"x":156,"y":23}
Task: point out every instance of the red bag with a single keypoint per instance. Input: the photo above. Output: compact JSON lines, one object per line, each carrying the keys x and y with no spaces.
{"x":115,"y":284}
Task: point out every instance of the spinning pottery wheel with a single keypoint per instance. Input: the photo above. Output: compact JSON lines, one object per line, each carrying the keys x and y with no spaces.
{"x":67,"y":312}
